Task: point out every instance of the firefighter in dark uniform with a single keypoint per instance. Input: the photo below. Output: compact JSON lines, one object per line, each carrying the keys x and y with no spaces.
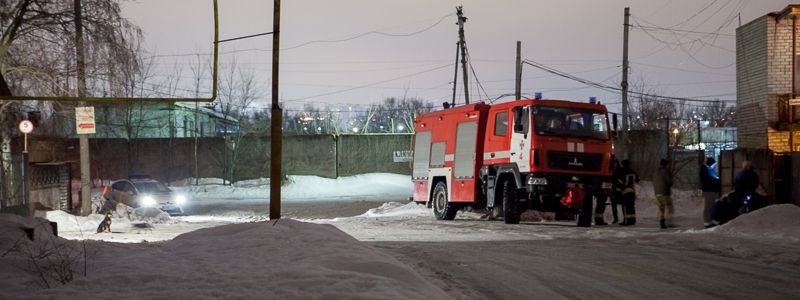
{"x":600,"y":209}
{"x":624,"y":187}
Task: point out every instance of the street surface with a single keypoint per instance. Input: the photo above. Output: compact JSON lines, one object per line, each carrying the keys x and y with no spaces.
{"x":472,"y":258}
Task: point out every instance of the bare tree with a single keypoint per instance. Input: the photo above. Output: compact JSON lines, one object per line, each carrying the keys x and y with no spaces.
{"x":247,"y":92}
{"x":37,"y":53}
{"x":198,"y":67}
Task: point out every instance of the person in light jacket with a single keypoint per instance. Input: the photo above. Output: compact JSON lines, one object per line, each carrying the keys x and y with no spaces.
{"x":662,"y":186}
{"x":711,"y":189}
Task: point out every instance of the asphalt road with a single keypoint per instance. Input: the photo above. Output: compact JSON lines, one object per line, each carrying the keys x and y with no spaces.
{"x":685,"y":267}
{"x":293,"y":209}
{"x":638,"y":263}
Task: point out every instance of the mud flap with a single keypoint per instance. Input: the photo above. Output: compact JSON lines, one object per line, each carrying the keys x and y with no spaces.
{"x":490,"y":190}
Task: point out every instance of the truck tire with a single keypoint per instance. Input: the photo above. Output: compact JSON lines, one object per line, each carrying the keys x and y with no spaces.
{"x":443,"y":209}
{"x":510,"y":205}
{"x":585,"y":214}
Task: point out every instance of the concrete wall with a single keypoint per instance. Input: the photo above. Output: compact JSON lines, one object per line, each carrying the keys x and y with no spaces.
{"x":168,"y":160}
{"x":302,"y":155}
{"x":360,"y":154}
{"x":647,"y":148}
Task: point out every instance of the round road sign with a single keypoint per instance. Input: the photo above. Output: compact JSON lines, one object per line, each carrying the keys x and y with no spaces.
{"x":26,"y":126}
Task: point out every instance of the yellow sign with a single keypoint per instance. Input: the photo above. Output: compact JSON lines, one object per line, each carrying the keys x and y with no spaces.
{"x":84,"y":120}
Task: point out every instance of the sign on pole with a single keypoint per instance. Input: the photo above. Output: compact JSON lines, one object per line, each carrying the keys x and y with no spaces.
{"x":25,"y":127}
{"x":84,"y":120}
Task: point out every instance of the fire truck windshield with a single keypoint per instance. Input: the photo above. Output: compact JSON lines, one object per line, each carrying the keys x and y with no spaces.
{"x":570,"y":122}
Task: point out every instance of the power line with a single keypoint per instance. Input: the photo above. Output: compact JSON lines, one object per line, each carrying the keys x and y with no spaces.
{"x":370,"y":84}
{"x":613,"y":88}
{"x":439,"y":21}
{"x":683,"y":31}
{"x":469,"y":60}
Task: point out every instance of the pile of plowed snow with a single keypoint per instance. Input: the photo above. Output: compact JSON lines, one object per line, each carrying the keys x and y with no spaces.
{"x":286,"y":259}
{"x":775,"y":221}
{"x":123,"y":216}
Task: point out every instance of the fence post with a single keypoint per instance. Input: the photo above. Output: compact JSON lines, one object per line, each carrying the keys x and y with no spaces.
{"x":336,"y":155}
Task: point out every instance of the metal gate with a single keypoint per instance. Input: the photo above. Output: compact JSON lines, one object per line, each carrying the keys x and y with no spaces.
{"x":50,"y":187}
{"x":11,"y":198}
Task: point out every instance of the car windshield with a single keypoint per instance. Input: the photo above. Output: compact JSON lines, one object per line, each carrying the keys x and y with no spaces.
{"x":571,"y":122}
{"x":151,"y":187}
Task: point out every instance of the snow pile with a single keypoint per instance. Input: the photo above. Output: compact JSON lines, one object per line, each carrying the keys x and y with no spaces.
{"x":124,"y":216}
{"x":285,"y":259}
{"x":14,"y":228}
{"x":308,"y":188}
{"x":397,"y":209}
{"x":72,"y":223}
{"x":150,"y":215}
{"x":780,"y":221}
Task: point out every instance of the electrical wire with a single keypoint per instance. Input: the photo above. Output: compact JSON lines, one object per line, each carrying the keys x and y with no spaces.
{"x":613,"y":88}
{"x":427,"y":28}
{"x":370,"y":84}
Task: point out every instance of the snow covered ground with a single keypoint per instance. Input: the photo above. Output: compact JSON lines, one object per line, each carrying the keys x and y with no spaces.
{"x":374,"y":186}
{"x":213,"y":204}
{"x":239,"y":261}
{"x":382,"y":247}
{"x":390,"y":217}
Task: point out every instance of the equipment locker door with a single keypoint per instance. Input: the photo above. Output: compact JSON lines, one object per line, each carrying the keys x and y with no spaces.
{"x":520,"y":148}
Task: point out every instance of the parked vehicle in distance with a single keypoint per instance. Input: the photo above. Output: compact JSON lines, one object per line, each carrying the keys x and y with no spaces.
{"x":142,"y":191}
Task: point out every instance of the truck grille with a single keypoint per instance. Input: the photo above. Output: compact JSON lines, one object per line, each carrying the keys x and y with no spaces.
{"x":574,"y":161}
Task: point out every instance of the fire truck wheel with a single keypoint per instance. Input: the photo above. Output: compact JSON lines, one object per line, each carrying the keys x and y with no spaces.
{"x":585,"y":214}
{"x":510,"y":205}
{"x":443,"y":209}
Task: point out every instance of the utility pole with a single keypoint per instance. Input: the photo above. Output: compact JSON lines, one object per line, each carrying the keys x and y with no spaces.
{"x":277,"y":121}
{"x":455,"y":76}
{"x":463,"y":47}
{"x":624,"y":84}
{"x":83,"y":139}
{"x":518,"y":85}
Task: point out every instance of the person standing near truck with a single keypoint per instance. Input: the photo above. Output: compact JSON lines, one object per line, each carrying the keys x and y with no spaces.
{"x":625,"y":180}
{"x":662,"y":187}
{"x":711,"y":189}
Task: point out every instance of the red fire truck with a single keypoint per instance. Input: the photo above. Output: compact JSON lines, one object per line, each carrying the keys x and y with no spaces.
{"x":549,"y":155}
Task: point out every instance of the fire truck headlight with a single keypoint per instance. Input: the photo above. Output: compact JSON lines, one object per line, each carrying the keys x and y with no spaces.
{"x":537,"y":181}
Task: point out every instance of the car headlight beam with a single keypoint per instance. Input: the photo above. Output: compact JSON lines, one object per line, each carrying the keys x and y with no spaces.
{"x":180,"y":199}
{"x":148,"y":201}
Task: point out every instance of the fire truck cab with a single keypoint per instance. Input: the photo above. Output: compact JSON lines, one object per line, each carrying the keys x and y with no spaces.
{"x":549,"y":155}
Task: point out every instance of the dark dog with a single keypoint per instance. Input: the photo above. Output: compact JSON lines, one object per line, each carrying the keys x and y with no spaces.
{"x":105,"y":226}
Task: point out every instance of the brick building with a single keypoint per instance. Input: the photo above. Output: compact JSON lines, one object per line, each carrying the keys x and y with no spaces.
{"x":767,"y":82}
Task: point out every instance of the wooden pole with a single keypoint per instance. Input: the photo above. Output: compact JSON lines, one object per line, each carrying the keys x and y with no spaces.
{"x":277,"y":121}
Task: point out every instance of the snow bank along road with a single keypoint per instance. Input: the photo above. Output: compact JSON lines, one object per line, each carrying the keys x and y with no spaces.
{"x":755,"y":256}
